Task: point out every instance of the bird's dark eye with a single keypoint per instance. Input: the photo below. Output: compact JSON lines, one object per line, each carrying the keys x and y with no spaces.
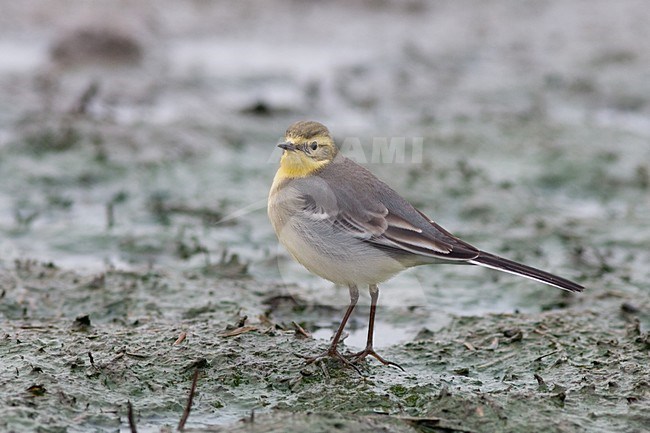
{"x":313,"y":145}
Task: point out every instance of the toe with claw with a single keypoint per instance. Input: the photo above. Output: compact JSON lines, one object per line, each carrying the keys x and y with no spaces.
{"x":369,"y":351}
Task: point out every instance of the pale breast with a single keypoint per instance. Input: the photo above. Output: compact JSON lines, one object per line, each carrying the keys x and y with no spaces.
{"x":324,"y":248}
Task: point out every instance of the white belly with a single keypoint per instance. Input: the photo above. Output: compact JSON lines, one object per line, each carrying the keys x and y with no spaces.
{"x":336,"y":255}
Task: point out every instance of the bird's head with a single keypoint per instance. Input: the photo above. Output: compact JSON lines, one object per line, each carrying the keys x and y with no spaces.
{"x":308,"y":146}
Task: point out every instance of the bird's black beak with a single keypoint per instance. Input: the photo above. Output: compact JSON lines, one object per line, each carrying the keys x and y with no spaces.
{"x":287,"y":146}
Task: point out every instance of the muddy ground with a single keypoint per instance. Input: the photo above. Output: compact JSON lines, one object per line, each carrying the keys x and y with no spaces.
{"x":137,"y":145}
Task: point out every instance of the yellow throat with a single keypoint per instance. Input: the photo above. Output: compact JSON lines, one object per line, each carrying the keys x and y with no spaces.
{"x":295,"y":164}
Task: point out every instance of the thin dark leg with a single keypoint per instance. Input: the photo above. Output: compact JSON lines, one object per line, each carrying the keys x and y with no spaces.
{"x":332,"y":351}
{"x":374,"y":295}
{"x":354,"y":297}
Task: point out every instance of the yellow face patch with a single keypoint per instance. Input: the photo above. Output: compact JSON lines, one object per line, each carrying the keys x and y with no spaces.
{"x":295,"y":163}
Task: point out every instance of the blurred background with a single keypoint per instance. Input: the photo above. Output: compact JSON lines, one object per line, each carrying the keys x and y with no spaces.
{"x":139,"y":134}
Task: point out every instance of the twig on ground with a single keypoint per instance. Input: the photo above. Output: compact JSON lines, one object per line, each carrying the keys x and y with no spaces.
{"x":238,"y":331}
{"x":180,"y":339}
{"x":496,"y":361}
{"x":130,"y":417}
{"x":539,"y":358}
{"x":300,"y":330}
{"x":188,"y":406}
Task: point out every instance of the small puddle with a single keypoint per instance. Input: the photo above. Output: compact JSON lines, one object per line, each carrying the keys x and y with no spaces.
{"x":386,"y":334}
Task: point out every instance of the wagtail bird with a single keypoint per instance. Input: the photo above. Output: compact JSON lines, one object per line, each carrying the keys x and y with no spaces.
{"x":345,"y":225}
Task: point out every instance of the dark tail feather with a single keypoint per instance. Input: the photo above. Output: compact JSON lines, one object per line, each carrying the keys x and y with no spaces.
{"x":499,"y":263}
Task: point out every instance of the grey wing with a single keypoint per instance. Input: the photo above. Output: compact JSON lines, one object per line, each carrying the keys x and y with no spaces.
{"x":384,"y":220}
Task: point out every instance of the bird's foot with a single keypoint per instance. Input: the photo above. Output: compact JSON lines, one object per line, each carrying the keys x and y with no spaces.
{"x":369,"y":351}
{"x":330,"y":353}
